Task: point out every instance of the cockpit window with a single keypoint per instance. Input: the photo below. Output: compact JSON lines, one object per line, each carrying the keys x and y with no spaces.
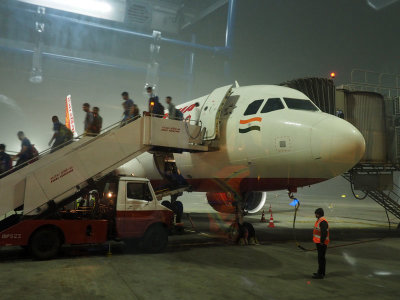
{"x":300,"y":104}
{"x":272,"y":104}
{"x":253,"y":107}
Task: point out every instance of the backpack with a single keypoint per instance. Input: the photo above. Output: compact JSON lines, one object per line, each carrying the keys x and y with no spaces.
{"x":5,"y":163}
{"x":178,"y":115}
{"x":158,"y":109}
{"x":96,"y":124}
{"x":66,"y":133}
{"x":35,"y":154}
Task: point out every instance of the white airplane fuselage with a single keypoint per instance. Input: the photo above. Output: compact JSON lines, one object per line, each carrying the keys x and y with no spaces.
{"x":292,"y":145}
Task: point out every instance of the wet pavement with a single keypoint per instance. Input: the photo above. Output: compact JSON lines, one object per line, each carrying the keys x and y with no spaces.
{"x":362,"y":260}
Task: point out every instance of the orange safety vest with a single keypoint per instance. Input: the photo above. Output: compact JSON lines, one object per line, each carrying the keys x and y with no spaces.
{"x":317,"y":232}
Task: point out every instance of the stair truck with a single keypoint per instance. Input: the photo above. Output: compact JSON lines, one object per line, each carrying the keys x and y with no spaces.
{"x":71,"y":197}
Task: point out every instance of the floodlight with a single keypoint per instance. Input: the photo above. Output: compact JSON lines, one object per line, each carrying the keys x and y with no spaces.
{"x":104,"y":9}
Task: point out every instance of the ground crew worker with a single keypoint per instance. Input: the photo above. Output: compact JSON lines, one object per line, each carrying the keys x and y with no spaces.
{"x":87,"y":124}
{"x":62,"y":135}
{"x":97,"y":121}
{"x":5,"y":159}
{"x":127,"y":104}
{"x":321,"y":240}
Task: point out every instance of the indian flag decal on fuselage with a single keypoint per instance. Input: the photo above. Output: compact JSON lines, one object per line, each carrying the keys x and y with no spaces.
{"x":250,"y":128}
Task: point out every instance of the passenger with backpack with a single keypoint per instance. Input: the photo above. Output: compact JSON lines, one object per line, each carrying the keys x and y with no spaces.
{"x":127,"y":105}
{"x":26,"y":152}
{"x":88,"y":123}
{"x":62,"y":135}
{"x":173,"y":112}
{"x":156,"y":109}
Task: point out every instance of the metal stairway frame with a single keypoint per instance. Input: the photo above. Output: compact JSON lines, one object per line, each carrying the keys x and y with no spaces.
{"x":389,"y":200}
{"x":34,"y":187}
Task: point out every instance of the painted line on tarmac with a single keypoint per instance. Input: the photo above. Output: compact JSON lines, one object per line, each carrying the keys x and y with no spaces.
{"x":348,"y":222}
{"x":202,"y":233}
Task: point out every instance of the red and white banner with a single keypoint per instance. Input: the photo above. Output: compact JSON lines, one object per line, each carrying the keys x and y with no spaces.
{"x":69,"y":116}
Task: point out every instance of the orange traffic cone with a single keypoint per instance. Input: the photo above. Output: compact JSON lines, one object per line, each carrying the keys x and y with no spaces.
{"x":271,"y":222}
{"x":263,"y":220}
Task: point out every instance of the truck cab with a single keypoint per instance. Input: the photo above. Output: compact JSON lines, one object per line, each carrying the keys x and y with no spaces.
{"x":137,"y":207}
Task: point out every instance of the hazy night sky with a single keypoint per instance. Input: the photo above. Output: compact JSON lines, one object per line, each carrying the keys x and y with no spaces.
{"x":274,"y":41}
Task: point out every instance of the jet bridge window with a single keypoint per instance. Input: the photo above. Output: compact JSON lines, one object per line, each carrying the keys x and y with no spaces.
{"x":253,"y":107}
{"x":300,"y":104}
{"x":138,"y":191}
{"x":272,"y":104}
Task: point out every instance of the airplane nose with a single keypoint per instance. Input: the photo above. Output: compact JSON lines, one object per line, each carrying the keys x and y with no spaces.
{"x":338,"y":144}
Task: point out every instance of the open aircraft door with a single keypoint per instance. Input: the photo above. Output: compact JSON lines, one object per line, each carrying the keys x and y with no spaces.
{"x":211,"y":110}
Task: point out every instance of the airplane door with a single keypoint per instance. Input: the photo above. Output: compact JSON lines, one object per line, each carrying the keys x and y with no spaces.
{"x":210,"y":110}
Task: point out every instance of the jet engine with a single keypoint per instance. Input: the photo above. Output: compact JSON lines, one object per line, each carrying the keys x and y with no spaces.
{"x":224,"y":202}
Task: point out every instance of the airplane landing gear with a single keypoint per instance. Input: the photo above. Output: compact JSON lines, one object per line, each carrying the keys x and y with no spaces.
{"x":240,"y":232}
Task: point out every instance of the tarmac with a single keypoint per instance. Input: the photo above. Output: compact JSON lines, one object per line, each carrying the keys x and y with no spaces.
{"x":362,"y":259}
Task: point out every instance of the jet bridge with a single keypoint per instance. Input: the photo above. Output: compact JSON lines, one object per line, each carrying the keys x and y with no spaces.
{"x":57,"y":176}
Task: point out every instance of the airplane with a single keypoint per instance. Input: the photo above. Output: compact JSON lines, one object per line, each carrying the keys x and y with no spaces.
{"x":262,"y":138}
{"x":266,"y":138}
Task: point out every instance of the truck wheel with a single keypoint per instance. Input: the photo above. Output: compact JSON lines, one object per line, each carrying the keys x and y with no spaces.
{"x":45,"y":243}
{"x":155,"y":239}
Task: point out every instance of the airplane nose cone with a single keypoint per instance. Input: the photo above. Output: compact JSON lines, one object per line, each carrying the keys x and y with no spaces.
{"x":338,"y":144}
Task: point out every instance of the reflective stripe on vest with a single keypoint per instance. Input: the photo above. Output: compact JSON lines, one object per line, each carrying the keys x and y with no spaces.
{"x":317,"y":232}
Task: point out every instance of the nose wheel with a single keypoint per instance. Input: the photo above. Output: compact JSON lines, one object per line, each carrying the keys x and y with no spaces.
{"x":240,"y":232}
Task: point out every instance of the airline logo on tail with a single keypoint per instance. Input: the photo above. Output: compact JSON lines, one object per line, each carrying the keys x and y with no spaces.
{"x":69,"y":116}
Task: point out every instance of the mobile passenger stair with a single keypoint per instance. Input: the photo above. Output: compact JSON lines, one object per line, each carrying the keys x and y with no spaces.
{"x":56,"y":179}
{"x":377,"y":182}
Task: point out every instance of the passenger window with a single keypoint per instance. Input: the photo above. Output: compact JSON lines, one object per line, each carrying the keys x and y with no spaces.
{"x":272,"y":104}
{"x":138,"y":191}
{"x":253,"y":107}
{"x":300,"y":104}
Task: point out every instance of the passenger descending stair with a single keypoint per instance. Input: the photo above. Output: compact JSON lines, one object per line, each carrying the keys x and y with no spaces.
{"x":388,"y":199}
{"x":58,"y":176}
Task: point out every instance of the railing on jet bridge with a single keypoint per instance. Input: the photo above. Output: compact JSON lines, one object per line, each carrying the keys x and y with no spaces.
{"x":387,"y":84}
